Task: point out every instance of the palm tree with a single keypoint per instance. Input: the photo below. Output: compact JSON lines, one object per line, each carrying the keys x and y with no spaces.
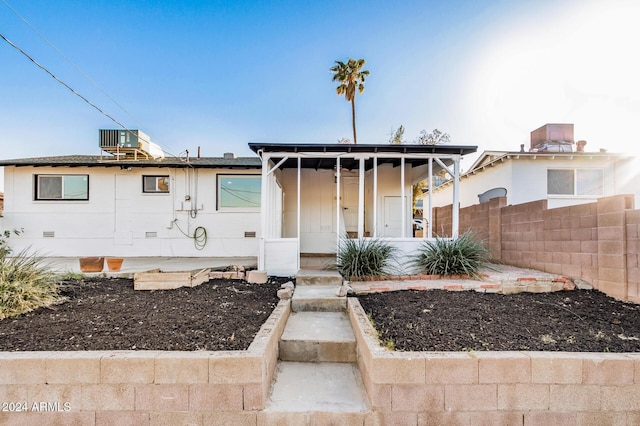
{"x":351,"y":77}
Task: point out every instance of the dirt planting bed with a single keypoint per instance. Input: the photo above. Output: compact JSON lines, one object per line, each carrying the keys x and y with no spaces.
{"x":439,"y":320}
{"x":108,"y":314}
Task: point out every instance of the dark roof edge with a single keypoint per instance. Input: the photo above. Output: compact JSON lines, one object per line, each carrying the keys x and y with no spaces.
{"x":102,"y":161}
{"x":361,"y":148}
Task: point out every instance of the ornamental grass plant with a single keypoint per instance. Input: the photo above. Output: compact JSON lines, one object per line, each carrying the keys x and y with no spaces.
{"x":26,"y":283}
{"x":359,"y":258}
{"x":445,"y":256}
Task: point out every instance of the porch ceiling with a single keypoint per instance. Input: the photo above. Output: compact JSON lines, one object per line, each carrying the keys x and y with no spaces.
{"x":323,"y":156}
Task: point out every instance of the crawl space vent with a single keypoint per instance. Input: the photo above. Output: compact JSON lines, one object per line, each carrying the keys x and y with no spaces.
{"x":48,"y":234}
{"x":249,"y":234}
{"x":150,"y":234}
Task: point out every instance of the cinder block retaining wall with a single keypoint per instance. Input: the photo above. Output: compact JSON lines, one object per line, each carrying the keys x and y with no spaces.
{"x":141,"y":387}
{"x":598,"y":242}
{"x":491,"y":388}
{"x":417,"y":388}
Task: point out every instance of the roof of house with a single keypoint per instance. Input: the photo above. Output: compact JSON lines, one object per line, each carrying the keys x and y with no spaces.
{"x":325,"y":153}
{"x":320,"y":157}
{"x":493,"y":158}
{"x":110,"y":161}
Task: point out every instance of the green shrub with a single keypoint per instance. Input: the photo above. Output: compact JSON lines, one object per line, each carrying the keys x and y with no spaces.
{"x":364,"y":257}
{"x":25,"y":283}
{"x":443,"y":256}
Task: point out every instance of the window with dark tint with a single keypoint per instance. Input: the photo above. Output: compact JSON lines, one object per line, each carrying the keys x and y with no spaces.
{"x":575,"y":181}
{"x":62,"y":187}
{"x":155,"y":184}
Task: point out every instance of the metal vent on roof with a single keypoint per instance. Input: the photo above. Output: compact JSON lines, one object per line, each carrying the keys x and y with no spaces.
{"x":249,"y":234}
{"x":228,"y":156}
{"x":48,"y":234}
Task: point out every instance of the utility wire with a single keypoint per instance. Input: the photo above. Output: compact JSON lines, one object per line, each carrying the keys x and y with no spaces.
{"x":74,"y":66}
{"x":61,"y":82}
{"x":67,"y":59}
{"x":43,"y":68}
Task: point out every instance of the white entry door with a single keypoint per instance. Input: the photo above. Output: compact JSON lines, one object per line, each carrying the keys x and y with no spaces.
{"x":392,"y":217}
{"x":350,"y":203}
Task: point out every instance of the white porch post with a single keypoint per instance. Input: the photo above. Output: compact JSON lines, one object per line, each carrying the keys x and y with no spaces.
{"x":429,"y":232}
{"x":264,"y":211}
{"x":375,"y":197}
{"x":455,"y":219}
{"x":298,"y":212}
{"x":338,"y":206}
{"x":361,"y":198}
{"x":403,"y":199}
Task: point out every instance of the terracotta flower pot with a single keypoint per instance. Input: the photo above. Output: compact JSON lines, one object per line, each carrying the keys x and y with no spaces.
{"x":114,"y":263}
{"x":91,"y":264}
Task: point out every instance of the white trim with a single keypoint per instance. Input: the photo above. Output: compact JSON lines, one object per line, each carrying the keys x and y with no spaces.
{"x":375,"y":197}
{"x":403,"y":200}
{"x":455,"y":216}
{"x":429,"y":233}
{"x":361,"y":198}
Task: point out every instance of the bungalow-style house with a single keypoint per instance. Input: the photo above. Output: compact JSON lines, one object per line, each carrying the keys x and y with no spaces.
{"x":555,"y":168}
{"x":289,"y":200}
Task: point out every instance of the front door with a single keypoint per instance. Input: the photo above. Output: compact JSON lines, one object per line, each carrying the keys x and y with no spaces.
{"x":392,"y":217}
{"x":350,"y":203}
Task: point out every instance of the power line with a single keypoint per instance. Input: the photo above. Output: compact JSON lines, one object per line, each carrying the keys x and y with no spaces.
{"x":43,"y":68}
{"x":67,"y":59}
{"x":87,"y":77}
{"x":60,"y":81}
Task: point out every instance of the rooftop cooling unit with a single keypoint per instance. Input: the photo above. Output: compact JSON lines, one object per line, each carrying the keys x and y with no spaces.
{"x":125,"y":142}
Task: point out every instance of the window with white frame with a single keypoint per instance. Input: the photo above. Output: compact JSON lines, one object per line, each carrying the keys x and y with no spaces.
{"x":155,"y":184}
{"x":239,"y":192}
{"x":575,"y":182}
{"x":61,"y":187}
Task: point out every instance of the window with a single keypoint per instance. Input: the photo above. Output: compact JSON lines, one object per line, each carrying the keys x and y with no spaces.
{"x":583,"y":182}
{"x":155,"y":184}
{"x":62,"y":187}
{"x":239,"y":192}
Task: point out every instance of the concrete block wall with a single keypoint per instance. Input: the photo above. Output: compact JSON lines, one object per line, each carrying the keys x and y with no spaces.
{"x":596,"y":242}
{"x":141,"y":387}
{"x":633,"y":255}
{"x":530,"y":388}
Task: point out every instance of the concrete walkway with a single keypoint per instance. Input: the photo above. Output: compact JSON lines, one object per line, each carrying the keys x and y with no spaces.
{"x":316,"y":375}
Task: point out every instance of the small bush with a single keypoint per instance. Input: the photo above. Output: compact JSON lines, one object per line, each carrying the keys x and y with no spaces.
{"x":25,"y":284}
{"x":364,"y":257}
{"x":464,"y":255}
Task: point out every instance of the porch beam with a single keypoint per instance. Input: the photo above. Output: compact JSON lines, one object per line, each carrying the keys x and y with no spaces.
{"x":298,"y":212}
{"x":264,"y":211}
{"x":274,"y":168}
{"x":403,"y":199}
{"x":361,"y":198}
{"x":338,"y":206}
{"x":375,"y":197}
{"x":447,"y":169}
{"x":455,"y":219}
{"x":429,"y":233}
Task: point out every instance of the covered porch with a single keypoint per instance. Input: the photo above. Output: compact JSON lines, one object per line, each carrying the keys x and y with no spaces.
{"x":314,"y":195}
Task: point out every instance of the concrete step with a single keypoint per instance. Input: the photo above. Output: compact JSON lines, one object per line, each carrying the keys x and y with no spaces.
{"x":318,"y":298}
{"x":318,"y":337}
{"x":303,"y":387}
{"x":318,"y":277}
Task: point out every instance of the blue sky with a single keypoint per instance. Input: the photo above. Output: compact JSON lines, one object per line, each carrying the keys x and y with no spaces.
{"x":220,"y":74}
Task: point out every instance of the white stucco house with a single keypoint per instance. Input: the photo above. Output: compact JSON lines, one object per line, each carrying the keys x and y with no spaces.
{"x":558,"y":170}
{"x":287,"y":201}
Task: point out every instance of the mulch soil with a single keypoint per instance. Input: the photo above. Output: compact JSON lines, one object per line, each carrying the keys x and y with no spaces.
{"x":438,"y":320}
{"x":108,"y":314}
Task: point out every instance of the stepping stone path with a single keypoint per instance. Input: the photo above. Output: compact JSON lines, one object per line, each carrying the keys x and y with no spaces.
{"x":317,"y":379}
